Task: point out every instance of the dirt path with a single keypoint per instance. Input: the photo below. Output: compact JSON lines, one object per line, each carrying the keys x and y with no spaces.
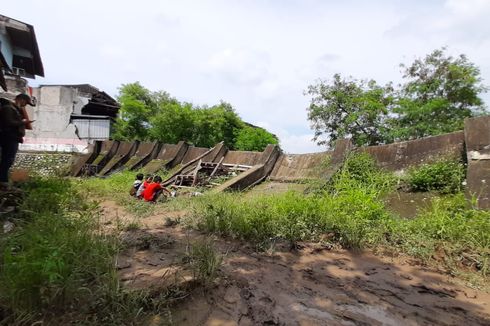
{"x":314,"y":286}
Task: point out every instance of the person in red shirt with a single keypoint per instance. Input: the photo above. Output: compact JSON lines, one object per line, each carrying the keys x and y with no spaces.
{"x":154,"y":190}
{"x":141,"y":189}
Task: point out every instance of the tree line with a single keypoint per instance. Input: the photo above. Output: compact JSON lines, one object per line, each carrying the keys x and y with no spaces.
{"x":156,"y":116}
{"x":438,"y":92}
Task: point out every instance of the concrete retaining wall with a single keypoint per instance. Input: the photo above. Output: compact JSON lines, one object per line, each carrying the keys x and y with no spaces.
{"x":242,"y":157}
{"x":399,"y":156}
{"x":192,"y":153}
{"x":477,"y":140}
{"x":122,"y":155}
{"x":295,"y":167}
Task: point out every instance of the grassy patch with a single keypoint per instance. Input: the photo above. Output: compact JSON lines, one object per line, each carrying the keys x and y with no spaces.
{"x":445,"y":176}
{"x":350,"y":212}
{"x":116,"y":187}
{"x":59,"y":263}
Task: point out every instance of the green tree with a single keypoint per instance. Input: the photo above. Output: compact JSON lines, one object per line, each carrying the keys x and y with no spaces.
{"x":146,"y":115}
{"x":439,"y":93}
{"x":254,"y":139}
{"x":137,"y":106}
{"x":172,"y":122}
{"x":349,"y":108}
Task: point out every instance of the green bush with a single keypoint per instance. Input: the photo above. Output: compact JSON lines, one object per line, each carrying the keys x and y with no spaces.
{"x":361,"y":169}
{"x":445,"y":176}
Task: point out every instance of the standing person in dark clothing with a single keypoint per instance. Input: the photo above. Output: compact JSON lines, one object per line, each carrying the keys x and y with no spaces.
{"x":13,"y":122}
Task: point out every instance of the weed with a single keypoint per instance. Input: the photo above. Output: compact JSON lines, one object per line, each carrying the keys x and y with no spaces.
{"x":132,"y":226}
{"x":445,"y":176}
{"x":204,"y":261}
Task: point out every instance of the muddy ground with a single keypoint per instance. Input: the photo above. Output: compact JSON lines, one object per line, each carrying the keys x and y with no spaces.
{"x":311,"y":286}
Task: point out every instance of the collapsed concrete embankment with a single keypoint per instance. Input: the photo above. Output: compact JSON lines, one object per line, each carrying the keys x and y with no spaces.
{"x":189,"y":162}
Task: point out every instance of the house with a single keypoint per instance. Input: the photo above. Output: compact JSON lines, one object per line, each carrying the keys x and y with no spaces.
{"x":19,"y":56}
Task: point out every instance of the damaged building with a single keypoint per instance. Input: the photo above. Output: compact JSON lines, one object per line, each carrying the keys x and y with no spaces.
{"x":69,"y":117}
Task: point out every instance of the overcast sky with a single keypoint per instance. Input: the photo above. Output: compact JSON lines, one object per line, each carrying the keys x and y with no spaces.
{"x":258,"y":55}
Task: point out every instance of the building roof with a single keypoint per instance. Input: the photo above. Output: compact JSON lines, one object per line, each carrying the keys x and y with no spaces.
{"x":23,"y":36}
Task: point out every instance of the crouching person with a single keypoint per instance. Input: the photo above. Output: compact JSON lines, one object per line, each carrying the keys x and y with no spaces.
{"x":136,"y":184}
{"x":146,"y":183}
{"x":154,"y":190}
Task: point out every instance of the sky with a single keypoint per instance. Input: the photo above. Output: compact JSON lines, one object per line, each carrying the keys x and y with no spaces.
{"x":258,"y":55}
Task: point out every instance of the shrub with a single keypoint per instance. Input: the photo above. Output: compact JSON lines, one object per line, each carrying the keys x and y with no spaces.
{"x":360,"y":168}
{"x":445,"y":176}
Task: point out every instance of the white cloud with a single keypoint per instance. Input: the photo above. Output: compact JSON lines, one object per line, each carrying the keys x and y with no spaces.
{"x":258,"y":55}
{"x":240,"y":66}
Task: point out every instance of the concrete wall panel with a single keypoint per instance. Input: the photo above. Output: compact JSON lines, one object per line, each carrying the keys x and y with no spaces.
{"x":292,"y":167}
{"x":192,"y":153}
{"x":242,"y":157}
{"x":144,"y":152}
{"x":477,"y":139}
{"x":399,"y":156}
{"x":123,"y":154}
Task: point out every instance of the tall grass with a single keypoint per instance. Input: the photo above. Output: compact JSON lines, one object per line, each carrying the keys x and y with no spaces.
{"x":350,"y":212}
{"x":58,"y":261}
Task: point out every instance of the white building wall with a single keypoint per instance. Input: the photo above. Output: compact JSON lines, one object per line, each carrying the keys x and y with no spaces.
{"x":52,"y":130}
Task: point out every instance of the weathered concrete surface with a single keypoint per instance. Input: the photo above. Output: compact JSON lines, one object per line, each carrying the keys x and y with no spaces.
{"x":256,"y":174}
{"x":216,"y":154}
{"x":170,"y":155}
{"x":78,"y":166}
{"x":242,"y":157}
{"x":477,"y":140}
{"x":123,"y":154}
{"x":399,"y":156}
{"x":296,"y":167}
{"x":107,"y":151}
{"x":192,"y":153}
{"x":146,"y":152}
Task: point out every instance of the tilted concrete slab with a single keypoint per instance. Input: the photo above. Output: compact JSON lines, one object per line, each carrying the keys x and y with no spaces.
{"x":299,"y":167}
{"x":193,"y":152}
{"x":170,"y":155}
{"x":123,"y":154}
{"x":254,"y":175}
{"x":242,"y":157}
{"x":145,"y":153}
{"x":107,"y":151}
{"x":79,"y":166}
{"x":211,"y":153}
{"x":217,"y":152}
{"x":477,"y":140}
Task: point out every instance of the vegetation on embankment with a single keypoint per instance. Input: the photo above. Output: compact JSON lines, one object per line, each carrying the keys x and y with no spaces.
{"x":349,"y":211}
